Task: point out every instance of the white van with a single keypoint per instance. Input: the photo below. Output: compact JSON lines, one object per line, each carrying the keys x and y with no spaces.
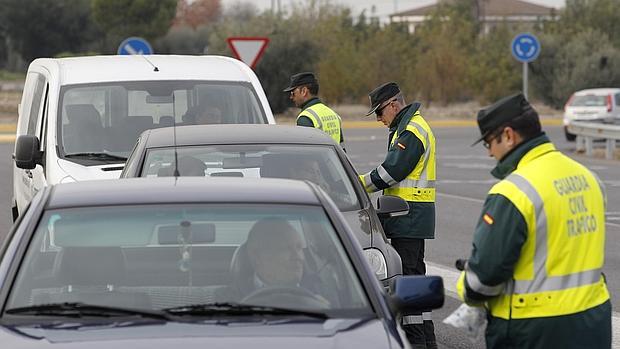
{"x":79,"y":117}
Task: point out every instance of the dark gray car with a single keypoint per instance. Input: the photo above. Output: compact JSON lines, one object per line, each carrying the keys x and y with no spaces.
{"x":195,"y":263}
{"x":248,"y":151}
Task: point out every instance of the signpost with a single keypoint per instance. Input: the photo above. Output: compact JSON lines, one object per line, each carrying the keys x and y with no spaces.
{"x":525,"y":48}
{"x":134,"y":46}
{"x":248,"y":49}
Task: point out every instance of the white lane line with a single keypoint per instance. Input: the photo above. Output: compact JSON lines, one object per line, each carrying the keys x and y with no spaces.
{"x":459,"y":197}
{"x":450,"y":276}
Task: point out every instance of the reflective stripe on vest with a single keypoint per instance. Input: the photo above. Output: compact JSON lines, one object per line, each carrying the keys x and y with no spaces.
{"x":419,"y":185}
{"x":541,"y":281}
{"x":559,"y":270}
{"x":324,"y":119}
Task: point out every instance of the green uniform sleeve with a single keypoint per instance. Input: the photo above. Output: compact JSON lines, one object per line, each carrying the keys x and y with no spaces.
{"x":499,"y":236}
{"x":401,"y":159}
{"x":304,"y":121}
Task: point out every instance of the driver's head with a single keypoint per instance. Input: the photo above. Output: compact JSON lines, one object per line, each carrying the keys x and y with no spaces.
{"x":275,"y":250}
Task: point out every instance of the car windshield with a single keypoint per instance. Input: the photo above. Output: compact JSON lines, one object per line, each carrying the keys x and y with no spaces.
{"x":589,"y":101}
{"x":318,"y":164}
{"x":107,"y":118}
{"x":170,"y":256}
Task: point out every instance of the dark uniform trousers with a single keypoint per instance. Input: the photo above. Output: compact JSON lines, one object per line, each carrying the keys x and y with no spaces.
{"x":411,"y":252}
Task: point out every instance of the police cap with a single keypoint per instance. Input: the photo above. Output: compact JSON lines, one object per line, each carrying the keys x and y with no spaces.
{"x":301,"y":79}
{"x":382,"y":94}
{"x":501,"y":112}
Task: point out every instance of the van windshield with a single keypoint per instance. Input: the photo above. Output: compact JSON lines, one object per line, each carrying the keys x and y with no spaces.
{"x":104,"y":120}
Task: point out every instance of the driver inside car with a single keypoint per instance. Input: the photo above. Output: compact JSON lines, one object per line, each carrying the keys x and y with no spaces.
{"x":275,"y":255}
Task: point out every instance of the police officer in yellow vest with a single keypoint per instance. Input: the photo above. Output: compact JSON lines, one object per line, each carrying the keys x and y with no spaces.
{"x":539,"y":245}
{"x":303,"y":89}
{"x":408,"y":171}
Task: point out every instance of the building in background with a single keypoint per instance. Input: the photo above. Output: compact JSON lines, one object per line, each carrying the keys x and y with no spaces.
{"x":490,"y":13}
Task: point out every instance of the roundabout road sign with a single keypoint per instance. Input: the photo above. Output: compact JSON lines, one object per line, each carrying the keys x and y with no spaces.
{"x":525,"y":47}
{"x":135,"y":46}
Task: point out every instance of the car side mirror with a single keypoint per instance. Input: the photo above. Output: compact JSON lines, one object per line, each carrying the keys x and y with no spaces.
{"x":391,"y":206}
{"x":27,"y":153}
{"x":416,"y":293}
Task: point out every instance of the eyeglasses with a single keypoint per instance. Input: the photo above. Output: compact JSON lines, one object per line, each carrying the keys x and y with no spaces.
{"x":379,"y":111}
{"x":494,"y":136}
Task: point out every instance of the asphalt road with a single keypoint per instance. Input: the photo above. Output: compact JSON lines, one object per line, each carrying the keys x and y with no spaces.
{"x":463,"y":181}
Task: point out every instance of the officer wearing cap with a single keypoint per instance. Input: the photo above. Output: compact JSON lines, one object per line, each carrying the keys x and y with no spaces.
{"x":408,"y":171}
{"x":539,"y":245}
{"x":303,"y":90}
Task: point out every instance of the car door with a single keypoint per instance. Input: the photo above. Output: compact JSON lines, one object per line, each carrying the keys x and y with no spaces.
{"x":29,"y":113}
{"x":37,"y":125}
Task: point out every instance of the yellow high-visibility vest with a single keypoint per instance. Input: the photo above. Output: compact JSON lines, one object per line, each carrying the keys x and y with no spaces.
{"x":419,"y":185}
{"x":559,"y":269}
{"x":325,"y":119}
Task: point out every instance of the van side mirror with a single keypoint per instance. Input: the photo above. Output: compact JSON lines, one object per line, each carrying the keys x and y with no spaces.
{"x":391,"y":206}
{"x":416,"y":293}
{"x":27,"y":153}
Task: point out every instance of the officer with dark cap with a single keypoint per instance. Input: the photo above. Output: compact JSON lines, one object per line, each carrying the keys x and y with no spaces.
{"x":303,"y":90}
{"x":408,"y":171}
{"x":539,"y":245}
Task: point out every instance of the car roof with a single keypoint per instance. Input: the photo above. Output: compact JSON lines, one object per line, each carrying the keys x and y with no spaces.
{"x":235,"y":134}
{"x":597,"y":91}
{"x":90,"y":69}
{"x":133,"y":191}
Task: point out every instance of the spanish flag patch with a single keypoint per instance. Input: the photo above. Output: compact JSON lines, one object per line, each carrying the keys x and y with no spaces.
{"x":487,"y":218}
{"x":401,"y":146}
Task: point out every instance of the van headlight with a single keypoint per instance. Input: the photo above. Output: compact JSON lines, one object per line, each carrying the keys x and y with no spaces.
{"x":377,"y":262}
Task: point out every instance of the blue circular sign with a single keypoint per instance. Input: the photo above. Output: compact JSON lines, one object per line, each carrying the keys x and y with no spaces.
{"x":525,"y":47}
{"x":135,"y":46}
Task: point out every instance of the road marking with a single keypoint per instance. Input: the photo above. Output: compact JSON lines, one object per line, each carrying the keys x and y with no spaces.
{"x":461,"y":197}
{"x":479,"y":201}
{"x":451,"y":276}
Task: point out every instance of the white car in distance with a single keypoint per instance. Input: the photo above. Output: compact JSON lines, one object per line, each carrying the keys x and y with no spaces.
{"x":594,"y":105}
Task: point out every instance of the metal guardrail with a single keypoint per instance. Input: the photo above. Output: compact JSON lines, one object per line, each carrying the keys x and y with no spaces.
{"x":587,"y":132}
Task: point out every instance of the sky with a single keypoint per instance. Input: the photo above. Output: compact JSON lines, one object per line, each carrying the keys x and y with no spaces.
{"x":383,"y":8}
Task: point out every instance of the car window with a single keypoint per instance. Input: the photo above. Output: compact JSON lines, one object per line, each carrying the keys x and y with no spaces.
{"x":109,"y":117}
{"x":617,"y":97}
{"x":589,"y":101}
{"x":175,"y":255}
{"x":317,"y":164}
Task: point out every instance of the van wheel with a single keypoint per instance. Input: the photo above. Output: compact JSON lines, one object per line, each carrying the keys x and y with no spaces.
{"x":569,"y":136}
{"x":14,"y":212}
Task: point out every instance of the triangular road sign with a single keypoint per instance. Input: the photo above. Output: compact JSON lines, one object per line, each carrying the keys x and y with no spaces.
{"x":248,"y":49}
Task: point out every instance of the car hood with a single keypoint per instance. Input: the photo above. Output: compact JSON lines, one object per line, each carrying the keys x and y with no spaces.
{"x":80,"y":172}
{"x":332,"y":333}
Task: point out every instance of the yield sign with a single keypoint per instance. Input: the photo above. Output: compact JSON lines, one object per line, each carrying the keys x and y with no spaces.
{"x":248,"y":49}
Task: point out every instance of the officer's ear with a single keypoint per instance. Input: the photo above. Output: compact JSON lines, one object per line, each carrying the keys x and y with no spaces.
{"x":512,"y":136}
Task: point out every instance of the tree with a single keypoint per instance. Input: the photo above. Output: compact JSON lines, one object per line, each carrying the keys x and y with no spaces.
{"x":197,"y":13}
{"x":446,"y":40}
{"x":43,"y":28}
{"x":581,"y":15}
{"x":493,"y":72}
{"x":123,"y":18}
{"x":587,"y":60}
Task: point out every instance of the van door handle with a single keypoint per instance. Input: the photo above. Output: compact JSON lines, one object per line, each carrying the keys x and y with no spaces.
{"x":29,"y":173}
